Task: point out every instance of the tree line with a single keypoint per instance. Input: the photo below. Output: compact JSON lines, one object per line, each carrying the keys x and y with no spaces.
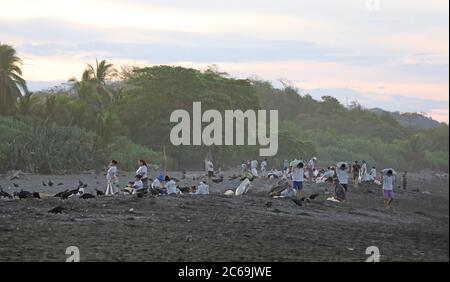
{"x":124,"y":115}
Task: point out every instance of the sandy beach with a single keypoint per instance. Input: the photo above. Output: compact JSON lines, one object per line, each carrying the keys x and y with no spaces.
{"x":220,"y":228}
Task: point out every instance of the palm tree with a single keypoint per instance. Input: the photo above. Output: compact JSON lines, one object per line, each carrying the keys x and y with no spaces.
{"x":96,"y":76}
{"x":11,"y":82}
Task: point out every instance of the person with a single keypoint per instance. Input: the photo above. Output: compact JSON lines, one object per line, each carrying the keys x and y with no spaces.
{"x":136,"y":186}
{"x":285,"y":166}
{"x":356,"y":168}
{"x":328,"y":175}
{"x":342,"y":175}
{"x":264,"y":168}
{"x":364,"y":172}
{"x":339,"y":192}
{"x":202,"y":189}
{"x":405,"y":180}
{"x":373,"y":174}
{"x":111,"y":178}
{"x":210,"y":168}
{"x":171,"y":186}
{"x":243,"y":168}
{"x":156,"y":187}
{"x":143,"y":172}
{"x":311,"y":168}
{"x":388,"y":187}
{"x":254,"y":167}
{"x":298,"y":175}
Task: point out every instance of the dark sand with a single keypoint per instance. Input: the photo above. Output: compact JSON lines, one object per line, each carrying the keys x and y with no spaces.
{"x":220,"y":228}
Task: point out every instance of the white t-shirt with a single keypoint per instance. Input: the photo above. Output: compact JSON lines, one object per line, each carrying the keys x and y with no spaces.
{"x":342,"y":176}
{"x":210,"y":166}
{"x":142,"y":171}
{"x":156,"y":183}
{"x":311,"y":164}
{"x":202,"y":189}
{"x":388,"y":183}
{"x":138,"y":184}
{"x":171,"y":187}
{"x":112,"y":173}
{"x":298,"y":174}
{"x":373,"y":173}
{"x":263,"y":165}
{"x":254,"y":164}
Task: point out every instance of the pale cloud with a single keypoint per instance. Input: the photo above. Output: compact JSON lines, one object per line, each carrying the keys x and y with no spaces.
{"x":321,"y":44}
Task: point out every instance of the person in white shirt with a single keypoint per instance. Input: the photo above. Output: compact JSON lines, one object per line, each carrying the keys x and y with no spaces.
{"x":342,"y":175}
{"x":243,"y":168}
{"x":373,"y":174}
{"x":171,"y":187}
{"x":111,"y":178}
{"x":388,"y":187}
{"x":298,"y":175}
{"x":264,"y":168}
{"x":143,"y":172}
{"x":210,"y":168}
{"x":156,"y":187}
{"x":202,"y":189}
{"x":311,"y":168}
{"x":254,"y":167}
{"x":135,"y":186}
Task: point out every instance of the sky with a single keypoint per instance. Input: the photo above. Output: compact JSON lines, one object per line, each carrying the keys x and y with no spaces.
{"x":392,"y":54}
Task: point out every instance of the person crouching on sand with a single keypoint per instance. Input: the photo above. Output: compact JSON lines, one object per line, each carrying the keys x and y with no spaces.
{"x":388,"y":187}
{"x":136,"y":186}
{"x":171,"y":186}
{"x":111,"y":178}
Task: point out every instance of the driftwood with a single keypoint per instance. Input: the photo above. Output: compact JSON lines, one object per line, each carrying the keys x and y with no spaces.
{"x":278,"y":188}
{"x":15,"y":175}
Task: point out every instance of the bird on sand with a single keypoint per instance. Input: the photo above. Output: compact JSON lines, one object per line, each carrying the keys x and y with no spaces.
{"x":60,"y":184}
{"x":99,"y":193}
{"x":313,"y":196}
{"x":23,"y":194}
{"x":298,"y":202}
{"x":56,"y":210}
{"x":60,"y":194}
{"x":217,"y":180}
{"x":4,"y":194}
{"x":87,"y":196}
{"x":269,"y":204}
{"x":16,"y":185}
{"x":44,"y":184}
{"x":50,"y":183}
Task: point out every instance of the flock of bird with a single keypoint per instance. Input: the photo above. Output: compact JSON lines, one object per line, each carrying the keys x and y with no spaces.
{"x":68,"y":193}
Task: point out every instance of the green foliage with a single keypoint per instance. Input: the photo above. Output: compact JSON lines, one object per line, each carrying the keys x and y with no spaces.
{"x":128,"y":153}
{"x":82,"y":124}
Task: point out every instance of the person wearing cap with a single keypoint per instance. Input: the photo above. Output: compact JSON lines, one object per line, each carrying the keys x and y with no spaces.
{"x":111,"y":178}
{"x":156,"y":185}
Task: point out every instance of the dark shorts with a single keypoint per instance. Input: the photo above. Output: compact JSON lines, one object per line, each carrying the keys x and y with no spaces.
{"x":297,"y":185}
{"x":345,"y":187}
{"x":210,"y":173}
